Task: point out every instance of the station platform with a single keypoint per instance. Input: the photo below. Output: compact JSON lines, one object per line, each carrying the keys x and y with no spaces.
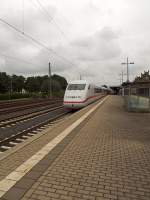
{"x":102,"y":153}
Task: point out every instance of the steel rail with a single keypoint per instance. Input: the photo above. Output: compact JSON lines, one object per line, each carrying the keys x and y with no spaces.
{"x":28,"y":131}
{"x":23,"y":102}
{"x":23,"y":107}
{"x":28,"y":116}
{"x":15,"y":115}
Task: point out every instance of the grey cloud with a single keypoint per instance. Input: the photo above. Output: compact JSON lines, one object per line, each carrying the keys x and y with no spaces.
{"x":108,"y":34}
{"x":100,"y":46}
{"x":96,"y":56}
{"x":15,"y":45}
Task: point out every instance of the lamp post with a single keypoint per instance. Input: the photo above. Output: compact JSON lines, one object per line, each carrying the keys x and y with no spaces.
{"x":50,"y":82}
{"x":127,"y":63}
{"x":122,"y":76}
{"x":10,"y":88}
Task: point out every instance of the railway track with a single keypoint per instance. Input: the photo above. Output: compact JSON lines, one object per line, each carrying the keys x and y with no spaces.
{"x":16,"y":133}
{"x":21,"y":115}
{"x":9,"y":104}
{"x":13,"y":121}
{"x":15,"y":108}
{"x":12,"y":103}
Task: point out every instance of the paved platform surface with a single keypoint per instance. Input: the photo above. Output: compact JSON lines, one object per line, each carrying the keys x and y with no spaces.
{"x":108,"y":158}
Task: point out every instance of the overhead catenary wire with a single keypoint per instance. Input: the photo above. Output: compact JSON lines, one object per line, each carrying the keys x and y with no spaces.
{"x":50,"y":18}
{"x":23,"y":15}
{"x":35,"y":41}
{"x":42,"y":11}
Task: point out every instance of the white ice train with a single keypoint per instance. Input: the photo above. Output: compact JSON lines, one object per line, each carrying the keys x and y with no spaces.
{"x":80,"y":93}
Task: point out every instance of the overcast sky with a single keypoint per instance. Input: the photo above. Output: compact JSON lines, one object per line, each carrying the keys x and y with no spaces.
{"x":95,"y":36}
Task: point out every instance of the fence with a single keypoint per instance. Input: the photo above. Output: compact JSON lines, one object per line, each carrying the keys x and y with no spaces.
{"x":137,"y":98}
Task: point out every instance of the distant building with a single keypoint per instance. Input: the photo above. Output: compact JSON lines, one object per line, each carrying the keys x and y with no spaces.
{"x":144,"y":79}
{"x":140,"y":86}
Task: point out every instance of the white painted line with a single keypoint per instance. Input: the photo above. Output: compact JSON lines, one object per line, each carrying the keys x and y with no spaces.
{"x":10,"y":180}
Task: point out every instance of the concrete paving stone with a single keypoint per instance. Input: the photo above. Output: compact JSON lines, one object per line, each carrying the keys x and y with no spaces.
{"x":103,"y":198}
{"x":88,"y":197}
{"x":74,"y":194}
{"x":97,"y":194}
{"x":52,"y":194}
{"x":64,"y":197}
{"x":59,"y":187}
{"x":70,"y":189}
{"x":45,"y":184}
{"x":61,"y":192}
{"x":47,"y":189}
{"x":78,"y":186}
{"x":144,"y":197}
{"x":41,"y":193}
{"x":111,"y":196}
{"x":66,"y":184}
{"x":83,"y":191}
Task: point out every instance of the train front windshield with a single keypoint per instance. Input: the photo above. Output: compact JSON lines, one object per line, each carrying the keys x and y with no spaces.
{"x":76,"y":86}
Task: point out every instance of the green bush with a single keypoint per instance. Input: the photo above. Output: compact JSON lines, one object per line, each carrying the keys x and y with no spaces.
{"x":7,"y":96}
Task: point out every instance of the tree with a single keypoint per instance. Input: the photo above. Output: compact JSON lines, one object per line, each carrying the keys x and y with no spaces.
{"x":45,"y":86}
{"x":61,"y":80}
{"x":35,"y":84}
{"x":18,"y":83}
{"x":4,"y":82}
{"x":32,"y":84}
{"x":56,"y":87}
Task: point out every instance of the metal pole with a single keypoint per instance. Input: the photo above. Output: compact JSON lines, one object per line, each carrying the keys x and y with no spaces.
{"x":149,"y":98}
{"x":80,"y":77}
{"x":50,"y":82}
{"x":127,"y":70}
{"x":127,"y":63}
{"x":10,"y":91}
{"x":122,"y":77}
{"x":11,"y":85}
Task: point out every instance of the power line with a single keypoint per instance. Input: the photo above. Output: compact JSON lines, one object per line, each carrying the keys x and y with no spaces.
{"x":37,"y":6}
{"x":50,"y":18}
{"x":23,"y":15}
{"x":35,"y":41}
